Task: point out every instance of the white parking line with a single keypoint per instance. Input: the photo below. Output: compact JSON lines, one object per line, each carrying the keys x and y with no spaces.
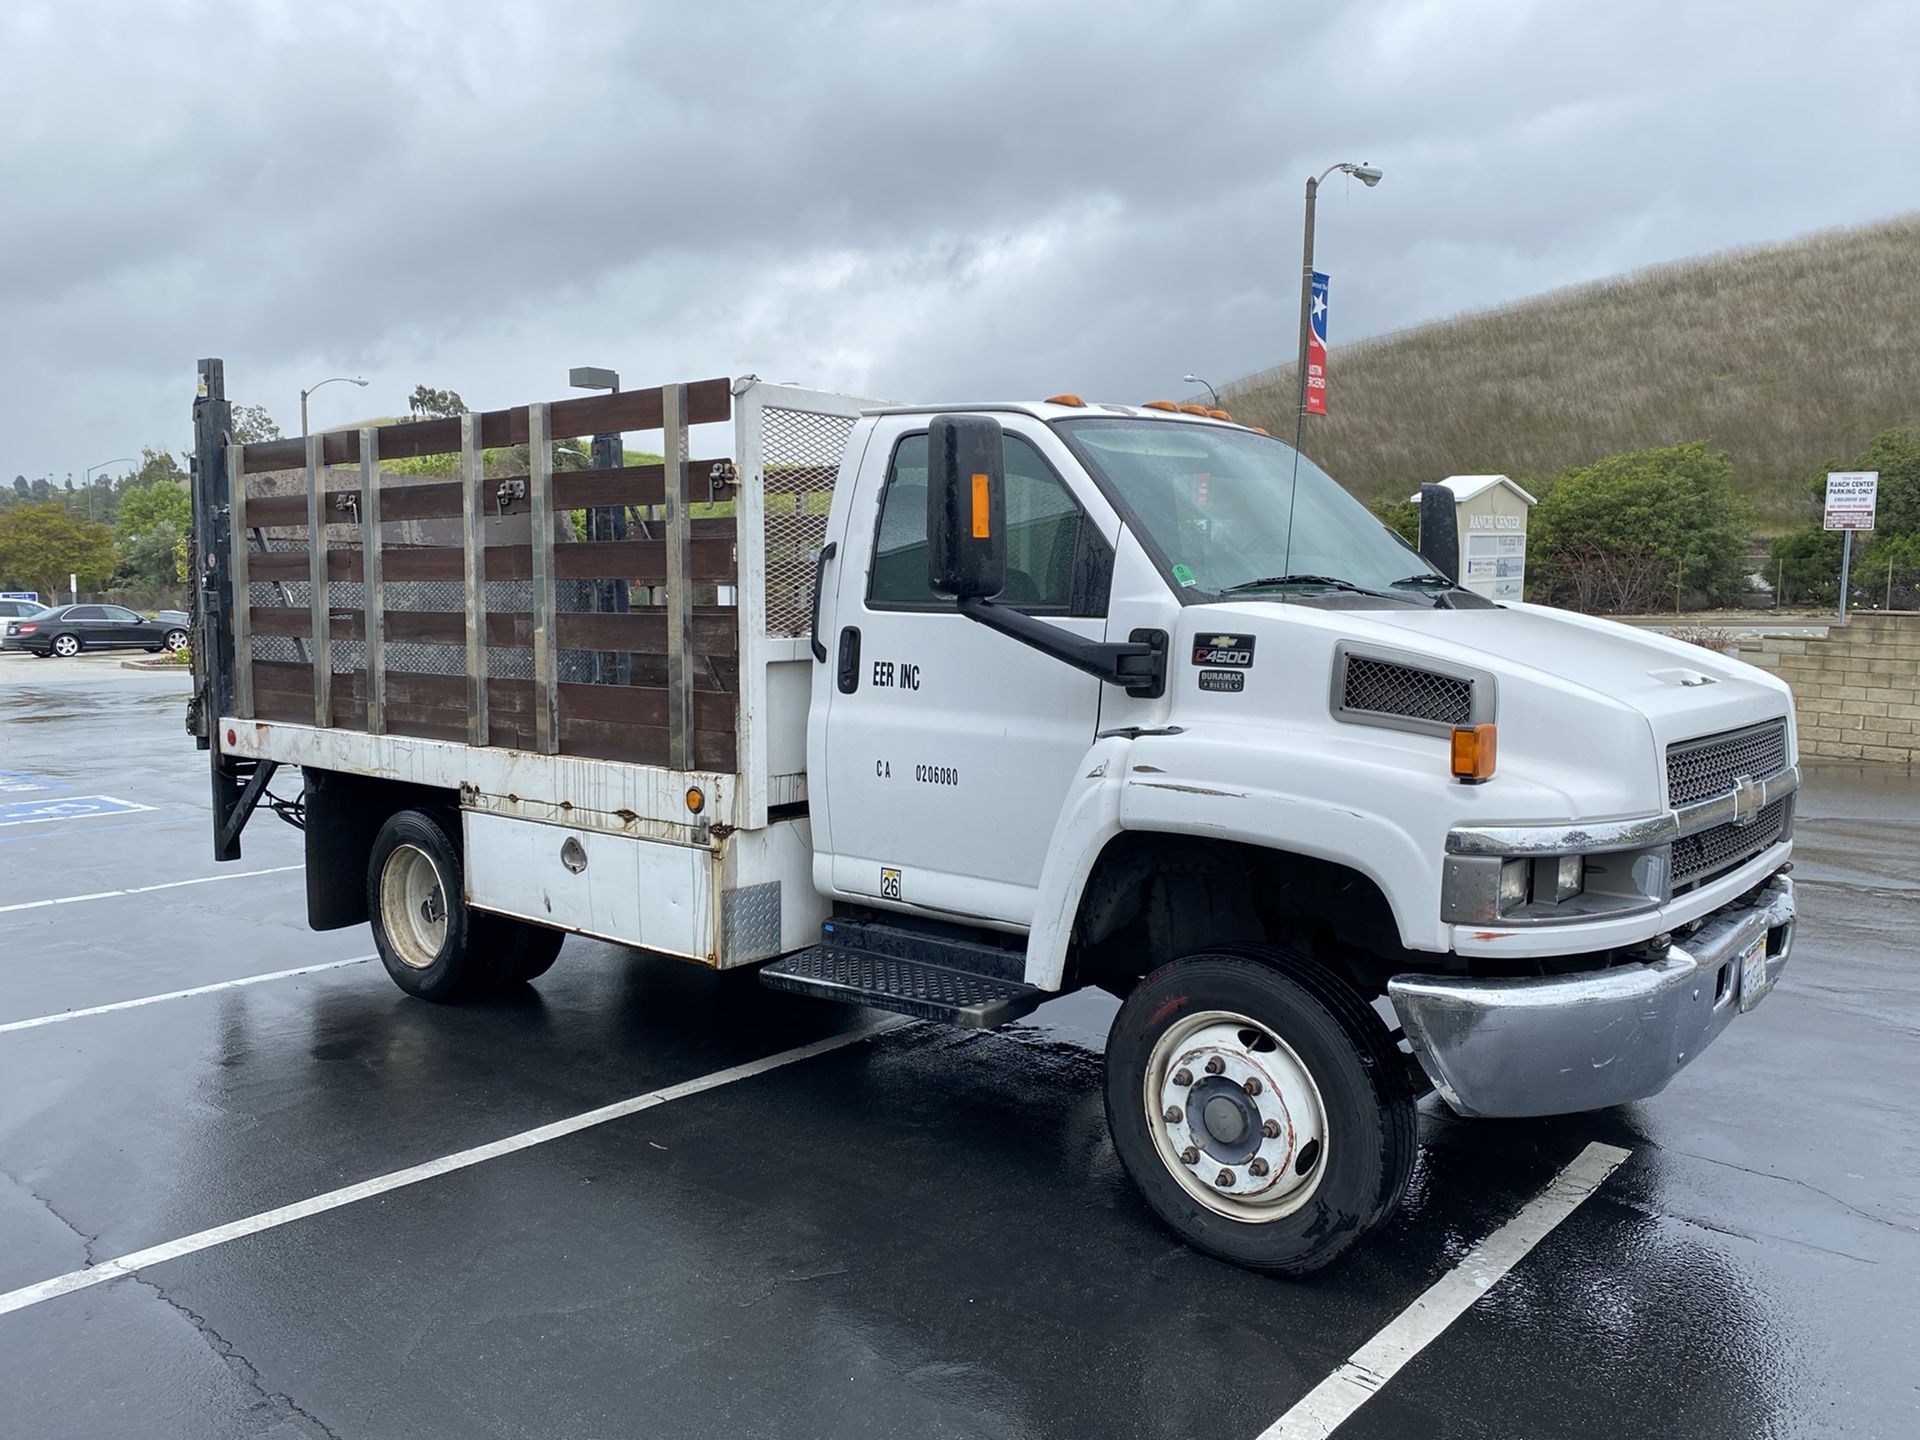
{"x":1330,"y":1402}
{"x":380,"y":1185}
{"x":40,"y":1020}
{"x":143,"y":889}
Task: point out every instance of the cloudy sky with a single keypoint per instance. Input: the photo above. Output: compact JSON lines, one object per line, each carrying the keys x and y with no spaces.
{"x":965,"y":199}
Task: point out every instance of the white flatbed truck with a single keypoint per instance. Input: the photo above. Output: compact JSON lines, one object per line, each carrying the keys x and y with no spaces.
{"x":948,"y":710}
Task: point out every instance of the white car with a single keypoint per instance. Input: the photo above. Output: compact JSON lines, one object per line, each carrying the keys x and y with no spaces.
{"x":11,"y":609}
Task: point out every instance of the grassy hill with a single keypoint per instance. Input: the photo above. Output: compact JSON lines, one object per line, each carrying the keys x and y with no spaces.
{"x":1787,"y":357}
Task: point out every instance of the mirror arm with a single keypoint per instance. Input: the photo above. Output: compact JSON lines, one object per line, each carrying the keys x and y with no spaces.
{"x":1139,"y":665}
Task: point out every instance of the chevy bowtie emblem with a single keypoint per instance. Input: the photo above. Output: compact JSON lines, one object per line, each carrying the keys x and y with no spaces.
{"x":1746,"y":800}
{"x":1223,"y":641}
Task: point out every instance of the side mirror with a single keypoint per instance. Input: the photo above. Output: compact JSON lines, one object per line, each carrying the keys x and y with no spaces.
{"x":966,"y":507}
{"x":1440,"y":531}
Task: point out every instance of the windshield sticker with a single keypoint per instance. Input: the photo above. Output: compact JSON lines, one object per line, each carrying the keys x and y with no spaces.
{"x":1230,"y":682}
{"x":1223,"y":650}
{"x":1183,"y":575}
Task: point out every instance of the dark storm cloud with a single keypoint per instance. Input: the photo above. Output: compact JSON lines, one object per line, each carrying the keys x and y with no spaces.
{"x":907,"y":200}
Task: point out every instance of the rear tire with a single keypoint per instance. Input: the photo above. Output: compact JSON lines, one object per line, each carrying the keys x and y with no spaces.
{"x":520,"y":951}
{"x":426,"y":936}
{"x":66,"y":646}
{"x":1303,"y":1134}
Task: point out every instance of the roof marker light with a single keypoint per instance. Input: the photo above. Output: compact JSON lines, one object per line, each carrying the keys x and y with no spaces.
{"x":1068,"y":399}
{"x":1160,"y":405}
{"x":1194,"y":410}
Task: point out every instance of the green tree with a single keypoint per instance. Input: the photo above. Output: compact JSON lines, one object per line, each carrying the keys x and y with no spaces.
{"x":426,"y":403}
{"x":1400,"y":516}
{"x":251,"y":424}
{"x":1804,"y":567}
{"x":164,"y":502}
{"x":40,"y":545}
{"x":1895,"y":454}
{"x":154,"y":556}
{"x":1630,"y":531}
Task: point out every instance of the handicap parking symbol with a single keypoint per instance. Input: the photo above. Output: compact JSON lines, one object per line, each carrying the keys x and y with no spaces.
{"x":64,"y":807}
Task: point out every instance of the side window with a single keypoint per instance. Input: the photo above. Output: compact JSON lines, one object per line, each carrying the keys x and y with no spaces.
{"x":1057,"y":564}
{"x":86,"y":612}
{"x":115,"y":613}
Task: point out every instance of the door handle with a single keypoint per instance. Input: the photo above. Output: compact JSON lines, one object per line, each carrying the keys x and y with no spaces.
{"x":849,"y":659}
{"x":819,"y":578}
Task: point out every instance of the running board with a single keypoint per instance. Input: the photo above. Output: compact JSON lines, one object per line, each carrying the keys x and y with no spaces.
{"x":909,"y":987}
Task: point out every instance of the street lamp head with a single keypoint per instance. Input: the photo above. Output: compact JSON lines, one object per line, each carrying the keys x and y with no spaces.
{"x":1367,"y":175}
{"x":593,"y":377}
{"x":1193,"y":380}
{"x":363,"y":384}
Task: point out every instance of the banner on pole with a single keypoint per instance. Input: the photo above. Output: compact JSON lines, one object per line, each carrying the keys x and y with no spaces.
{"x":1317,"y":347}
{"x":1851,"y":497}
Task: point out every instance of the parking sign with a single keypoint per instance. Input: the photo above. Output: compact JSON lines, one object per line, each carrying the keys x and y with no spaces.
{"x":1850,"y":499}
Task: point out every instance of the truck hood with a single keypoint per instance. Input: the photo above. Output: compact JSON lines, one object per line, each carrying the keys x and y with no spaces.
{"x":1586,"y":708}
{"x":1684,"y":690}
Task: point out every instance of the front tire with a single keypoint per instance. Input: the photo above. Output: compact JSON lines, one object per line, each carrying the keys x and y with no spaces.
{"x":66,"y":646}
{"x":1261,"y":1107}
{"x":176,"y":640}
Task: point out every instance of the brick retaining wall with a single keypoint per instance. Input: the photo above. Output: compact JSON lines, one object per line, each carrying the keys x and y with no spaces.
{"x":1856,"y":693}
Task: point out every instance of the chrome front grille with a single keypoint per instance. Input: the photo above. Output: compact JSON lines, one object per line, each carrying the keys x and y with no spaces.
{"x":1706,"y":853}
{"x":1701,"y":769}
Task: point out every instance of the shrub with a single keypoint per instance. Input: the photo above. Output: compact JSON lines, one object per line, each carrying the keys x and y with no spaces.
{"x":1633,"y":531}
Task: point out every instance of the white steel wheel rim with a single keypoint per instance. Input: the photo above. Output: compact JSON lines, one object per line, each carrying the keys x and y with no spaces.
{"x":1213,"y":1072}
{"x":413,"y":906}
{"x":66,"y":646}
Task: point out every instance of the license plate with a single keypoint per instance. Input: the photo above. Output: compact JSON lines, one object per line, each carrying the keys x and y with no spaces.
{"x":1753,"y":972}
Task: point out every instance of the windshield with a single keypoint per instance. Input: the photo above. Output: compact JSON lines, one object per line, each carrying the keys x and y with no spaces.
{"x":1219,"y":504}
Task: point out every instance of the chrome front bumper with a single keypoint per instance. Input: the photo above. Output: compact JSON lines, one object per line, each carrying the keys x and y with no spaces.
{"x":1554,"y":1045}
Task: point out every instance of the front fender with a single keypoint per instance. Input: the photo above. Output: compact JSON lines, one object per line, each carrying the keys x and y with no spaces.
{"x":1188,"y":786}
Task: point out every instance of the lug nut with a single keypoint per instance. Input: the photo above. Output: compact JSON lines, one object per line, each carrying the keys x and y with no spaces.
{"x":1257,"y":1166}
{"x":1190,"y":1156}
{"x":1216,"y":1065}
{"x":1224,"y":1178}
{"x":1174,"y":1115}
{"x":1270,"y":1129}
{"x":1183,"y":1077}
{"x":1252,"y":1085}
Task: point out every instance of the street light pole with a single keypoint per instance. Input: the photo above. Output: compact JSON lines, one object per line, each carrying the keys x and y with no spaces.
{"x":350,"y":379}
{"x":1196,"y":380}
{"x":122,"y":460}
{"x":1367,"y":175}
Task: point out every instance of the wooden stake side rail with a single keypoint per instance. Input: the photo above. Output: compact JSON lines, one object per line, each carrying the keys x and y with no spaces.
{"x":682,"y":709}
{"x":642,"y":561}
{"x":444,"y":499}
{"x":638,"y":632}
{"x":708,"y":402}
{"x":603,"y":722}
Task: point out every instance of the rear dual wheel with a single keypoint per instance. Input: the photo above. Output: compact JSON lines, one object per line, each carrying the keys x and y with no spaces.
{"x":432,"y":944}
{"x":1261,"y":1107}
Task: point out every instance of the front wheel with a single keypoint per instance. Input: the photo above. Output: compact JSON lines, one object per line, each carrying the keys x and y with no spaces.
{"x":176,"y":640}
{"x":1261,"y":1108}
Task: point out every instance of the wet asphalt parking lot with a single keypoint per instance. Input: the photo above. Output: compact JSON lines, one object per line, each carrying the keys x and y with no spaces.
{"x":915,"y":1232}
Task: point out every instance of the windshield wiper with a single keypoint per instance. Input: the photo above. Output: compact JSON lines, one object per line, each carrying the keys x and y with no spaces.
{"x":1275,"y":580}
{"x":1430,"y":580}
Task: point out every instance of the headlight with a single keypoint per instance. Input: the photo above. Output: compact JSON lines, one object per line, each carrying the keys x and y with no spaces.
{"x":1560,"y":879}
{"x":1515,"y":888}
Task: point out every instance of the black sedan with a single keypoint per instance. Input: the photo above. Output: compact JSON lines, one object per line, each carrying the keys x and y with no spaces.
{"x":66,"y":630}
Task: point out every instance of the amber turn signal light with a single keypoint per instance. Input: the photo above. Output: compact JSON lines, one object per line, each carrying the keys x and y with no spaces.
{"x":1160,"y":405}
{"x":1473,"y":753}
{"x":1073,"y":400}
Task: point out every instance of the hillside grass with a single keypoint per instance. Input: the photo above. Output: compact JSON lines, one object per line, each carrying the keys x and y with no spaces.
{"x":1788,"y":357}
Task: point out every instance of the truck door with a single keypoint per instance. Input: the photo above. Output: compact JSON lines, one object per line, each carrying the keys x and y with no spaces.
{"x":949,"y":748}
